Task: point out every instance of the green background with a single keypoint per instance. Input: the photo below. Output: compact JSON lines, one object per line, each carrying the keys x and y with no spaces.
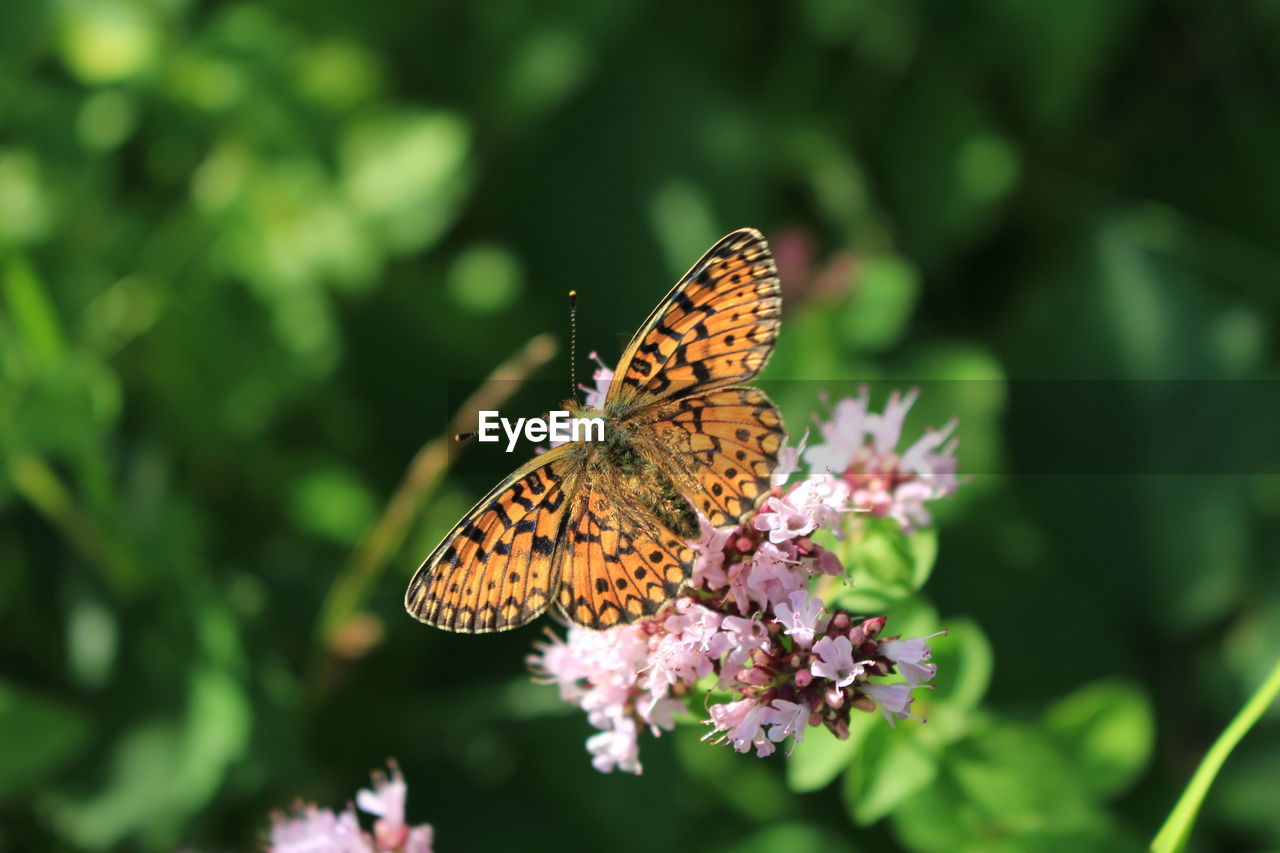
{"x":248,"y":249}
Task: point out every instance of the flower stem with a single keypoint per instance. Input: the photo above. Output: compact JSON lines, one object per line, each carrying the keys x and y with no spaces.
{"x":1173,"y":836}
{"x":378,"y":545}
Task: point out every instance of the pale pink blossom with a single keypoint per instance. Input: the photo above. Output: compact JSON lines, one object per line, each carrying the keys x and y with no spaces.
{"x":884,"y":429}
{"x":742,"y":724}
{"x":660,"y":712}
{"x":894,"y":700}
{"x":933,"y":456}
{"x":310,"y":829}
{"x":842,"y":436}
{"x":824,"y":499}
{"x":386,"y":800}
{"x":737,"y":577}
{"x":615,"y":748}
{"x":801,"y":617}
{"x":774,"y":575}
{"x":708,"y":566}
{"x":602,"y":377}
{"x":419,"y":840}
{"x":785,"y":719}
{"x":861,"y":447}
{"x":911,"y":656}
{"x":783,"y":520}
{"x":678,"y":657}
{"x":788,"y":461}
{"x":746,"y":635}
{"x":315,"y":830}
{"x":835,"y":661}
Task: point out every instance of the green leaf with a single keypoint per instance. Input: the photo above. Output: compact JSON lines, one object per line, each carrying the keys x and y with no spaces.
{"x":164,"y":769}
{"x":964,"y":661}
{"x":36,"y":736}
{"x":484,"y":278}
{"x":881,"y":303}
{"x":1016,"y":776}
{"x":894,"y":764}
{"x":882,"y":565}
{"x":407,"y":173}
{"x":788,"y":836}
{"x":923,"y":546}
{"x":333,"y":503}
{"x":35,"y":321}
{"x":1108,"y":729}
{"x":1006,"y":788}
{"x":747,"y":784}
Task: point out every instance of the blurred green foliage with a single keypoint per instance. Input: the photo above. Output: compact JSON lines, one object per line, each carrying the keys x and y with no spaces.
{"x":243,"y":247}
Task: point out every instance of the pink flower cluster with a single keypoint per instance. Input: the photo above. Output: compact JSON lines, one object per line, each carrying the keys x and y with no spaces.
{"x":751,"y":627}
{"x":311,"y":829}
{"x":860,"y":445}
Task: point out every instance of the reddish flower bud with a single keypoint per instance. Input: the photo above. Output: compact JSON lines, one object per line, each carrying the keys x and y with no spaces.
{"x":873,"y":627}
{"x":863,"y":703}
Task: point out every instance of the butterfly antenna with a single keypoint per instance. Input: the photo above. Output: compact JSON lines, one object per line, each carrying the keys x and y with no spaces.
{"x":463,"y":436}
{"x":573,"y":344}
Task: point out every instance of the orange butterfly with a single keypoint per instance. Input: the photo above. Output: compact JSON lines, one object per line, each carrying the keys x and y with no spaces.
{"x":603,"y":528}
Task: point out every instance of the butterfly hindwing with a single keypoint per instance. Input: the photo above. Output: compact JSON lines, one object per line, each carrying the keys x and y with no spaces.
{"x":722,"y":446}
{"x":494,"y":571}
{"x":620,"y":563}
{"x":715,"y":328}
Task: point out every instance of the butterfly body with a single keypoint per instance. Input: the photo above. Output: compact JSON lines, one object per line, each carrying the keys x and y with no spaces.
{"x":604,"y":528}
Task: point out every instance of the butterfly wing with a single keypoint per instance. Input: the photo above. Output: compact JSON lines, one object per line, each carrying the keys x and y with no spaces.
{"x":715,"y":328}
{"x":720,"y":446}
{"x":619,"y":561}
{"x":494,"y":571}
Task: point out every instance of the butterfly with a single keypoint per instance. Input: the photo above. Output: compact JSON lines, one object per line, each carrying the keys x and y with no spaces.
{"x":603,"y":529}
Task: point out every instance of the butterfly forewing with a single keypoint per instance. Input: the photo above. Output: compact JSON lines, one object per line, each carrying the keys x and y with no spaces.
{"x":495,"y":569}
{"x":715,"y":328}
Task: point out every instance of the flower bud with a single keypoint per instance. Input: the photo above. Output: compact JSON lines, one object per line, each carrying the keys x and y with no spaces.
{"x":873,"y":627}
{"x":834,"y":697}
{"x":804,"y":677}
{"x":863,"y":703}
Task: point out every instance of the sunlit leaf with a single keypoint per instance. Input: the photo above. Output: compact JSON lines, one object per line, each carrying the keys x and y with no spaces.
{"x":1108,"y":728}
